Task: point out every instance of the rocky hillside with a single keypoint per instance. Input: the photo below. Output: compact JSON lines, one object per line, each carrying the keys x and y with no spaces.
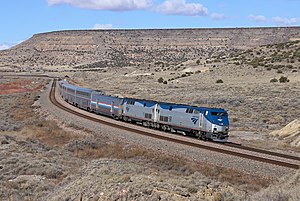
{"x":102,"y":48}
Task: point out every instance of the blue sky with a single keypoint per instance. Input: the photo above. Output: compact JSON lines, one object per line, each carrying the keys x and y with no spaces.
{"x":20,"y":19}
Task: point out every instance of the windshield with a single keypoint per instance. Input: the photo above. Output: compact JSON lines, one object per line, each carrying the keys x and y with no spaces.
{"x":220,"y":114}
{"x":217,"y":117}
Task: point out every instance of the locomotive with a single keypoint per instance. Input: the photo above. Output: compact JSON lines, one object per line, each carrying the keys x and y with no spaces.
{"x":202,"y":122}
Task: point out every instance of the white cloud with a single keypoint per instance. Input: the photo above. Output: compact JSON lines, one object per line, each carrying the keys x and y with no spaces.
{"x":170,"y":7}
{"x":5,"y":46}
{"x":113,"y":5}
{"x":103,"y":26}
{"x":181,"y":7}
{"x":258,"y":18}
{"x":218,"y":16}
{"x":286,"y":21}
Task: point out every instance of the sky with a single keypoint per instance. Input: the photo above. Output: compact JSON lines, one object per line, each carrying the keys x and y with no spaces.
{"x":20,"y":19}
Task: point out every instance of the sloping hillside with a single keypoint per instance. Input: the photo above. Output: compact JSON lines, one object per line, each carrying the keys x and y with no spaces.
{"x":102,"y":48}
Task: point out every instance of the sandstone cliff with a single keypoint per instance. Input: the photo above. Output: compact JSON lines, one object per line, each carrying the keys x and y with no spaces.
{"x":102,"y":48}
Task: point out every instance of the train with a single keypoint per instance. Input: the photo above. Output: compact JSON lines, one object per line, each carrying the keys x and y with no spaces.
{"x":202,"y":122}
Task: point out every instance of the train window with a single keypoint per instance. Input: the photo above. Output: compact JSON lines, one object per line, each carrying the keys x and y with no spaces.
{"x":189,"y":110}
{"x":82,"y":93}
{"x":148,"y":116}
{"x":214,"y":113}
{"x":144,"y":104}
{"x":71,"y":91}
{"x":221,"y":114}
{"x":170,"y":108}
{"x":130,"y":102}
{"x":164,"y":118}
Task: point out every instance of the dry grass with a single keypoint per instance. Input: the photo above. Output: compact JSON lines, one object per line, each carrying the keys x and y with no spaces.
{"x":178,"y":166}
{"x":48,"y":132}
{"x":111,"y":150}
{"x":287,"y":188}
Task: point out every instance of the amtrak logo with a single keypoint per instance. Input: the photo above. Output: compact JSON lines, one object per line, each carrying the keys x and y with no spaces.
{"x":194,"y":120}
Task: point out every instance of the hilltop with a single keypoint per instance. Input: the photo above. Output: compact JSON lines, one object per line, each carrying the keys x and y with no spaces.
{"x":119,"y":48}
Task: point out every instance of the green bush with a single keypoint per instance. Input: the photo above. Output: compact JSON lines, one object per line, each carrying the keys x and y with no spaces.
{"x":274,"y":80}
{"x":160,"y":80}
{"x":283,"y":79}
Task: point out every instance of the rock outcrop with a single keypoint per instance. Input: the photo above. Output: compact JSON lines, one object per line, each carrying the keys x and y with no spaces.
{"x":290,"y":133}
{"x":109,"y":48}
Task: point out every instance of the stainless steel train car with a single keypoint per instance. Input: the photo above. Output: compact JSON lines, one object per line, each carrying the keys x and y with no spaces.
{"x":202,"y":122}
{"x":105,"y":105}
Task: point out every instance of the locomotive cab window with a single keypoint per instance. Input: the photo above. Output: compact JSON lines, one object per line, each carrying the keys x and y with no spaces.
{"x":220,"y":114}
{"x":214,"y":113}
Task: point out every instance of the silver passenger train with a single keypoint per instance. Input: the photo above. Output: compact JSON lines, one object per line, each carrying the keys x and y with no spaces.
{"x":202,"y":122}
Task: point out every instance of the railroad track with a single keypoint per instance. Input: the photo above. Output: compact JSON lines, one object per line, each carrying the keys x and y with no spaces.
{"x":32,"y":75}
{"x":235,"y":150}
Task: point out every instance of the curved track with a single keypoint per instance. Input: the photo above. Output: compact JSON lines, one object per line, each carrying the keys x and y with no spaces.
{"x":252,"y":154}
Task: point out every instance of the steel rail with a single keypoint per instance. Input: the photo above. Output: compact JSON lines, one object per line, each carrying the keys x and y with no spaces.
{"x":262,"y":151}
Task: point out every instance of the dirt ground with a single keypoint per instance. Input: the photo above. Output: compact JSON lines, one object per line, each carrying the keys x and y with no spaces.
{"x":255,"y":105}
{"x":45,"y":157}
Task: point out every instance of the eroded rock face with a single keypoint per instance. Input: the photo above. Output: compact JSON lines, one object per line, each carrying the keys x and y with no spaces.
{"x":290,"y":132}
{"x":132,"y":47}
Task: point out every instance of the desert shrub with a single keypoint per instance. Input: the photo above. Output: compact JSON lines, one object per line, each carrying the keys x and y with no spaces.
{"x":235,"y":119}
{"x":274,"y":80}
{"x":283,"y":79}
{"x":165,"y":82}
{"x":219,"y":81}
{"x":160,"y":80}
{"x":294,"y":71}
{"x":279,"y":71}
{"x":198,"y":62}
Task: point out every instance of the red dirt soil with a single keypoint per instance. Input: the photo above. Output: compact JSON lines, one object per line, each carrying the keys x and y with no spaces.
{"x":18,"y":86}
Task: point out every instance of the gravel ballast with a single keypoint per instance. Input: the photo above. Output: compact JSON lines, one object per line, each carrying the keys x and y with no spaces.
{"x":203,"y":156}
